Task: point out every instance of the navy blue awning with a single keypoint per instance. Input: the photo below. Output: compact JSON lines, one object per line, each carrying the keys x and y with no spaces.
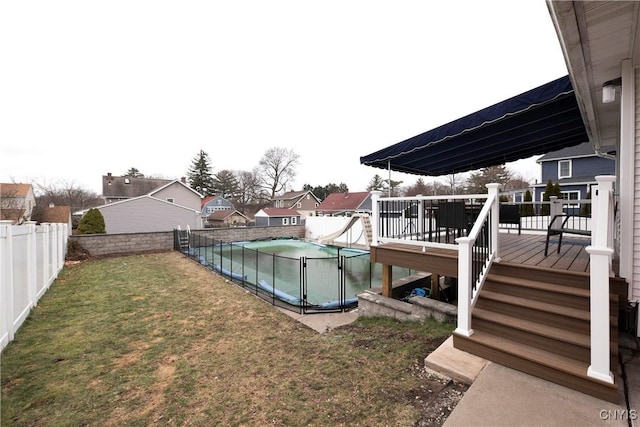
{"x":540,"y":120}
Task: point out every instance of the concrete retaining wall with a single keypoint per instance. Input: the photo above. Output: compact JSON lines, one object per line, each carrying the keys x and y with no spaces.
{"x":417,"y":309}
{"x":127,"y":243}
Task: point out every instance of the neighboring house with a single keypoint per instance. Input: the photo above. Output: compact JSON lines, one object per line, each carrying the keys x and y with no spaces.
{"x":277,"y":216}
{"x":146,"y":214}
{"x":137,"y":208}
{"x":56,"y":214}
{"x":227,"y":218}
{"x":17,"y":202}
{"x":116,"y":188}
{"x":305,"y":202}
{"x":343,"y":204}
{"x":574,"y":169}
{"x":211,"y":204}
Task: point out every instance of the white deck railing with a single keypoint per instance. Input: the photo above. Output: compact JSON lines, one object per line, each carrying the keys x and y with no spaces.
{"x":30,"y":259}
{"x":413,"y":221}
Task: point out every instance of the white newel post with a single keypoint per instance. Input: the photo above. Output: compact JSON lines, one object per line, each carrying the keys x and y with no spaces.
{"x":464,"y":286}
{"x":555,"y":207}
{"x":493,"y":190}
{"x":600,"y":268}
{"x":375,"y":215}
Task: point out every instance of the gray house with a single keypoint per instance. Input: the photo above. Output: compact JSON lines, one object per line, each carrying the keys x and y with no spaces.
{"x":142,"y":204}
{"x":574,"y":169}
{"x":146,"y":214}
{"x":277,"y":216}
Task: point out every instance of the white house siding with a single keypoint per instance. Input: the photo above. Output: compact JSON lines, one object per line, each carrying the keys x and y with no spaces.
{"x":180,"y":194}
{"x":144,"y":214}
{"x":635,"y":282}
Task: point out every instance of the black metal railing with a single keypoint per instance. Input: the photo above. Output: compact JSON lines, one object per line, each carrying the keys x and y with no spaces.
{"x":304,"y":284}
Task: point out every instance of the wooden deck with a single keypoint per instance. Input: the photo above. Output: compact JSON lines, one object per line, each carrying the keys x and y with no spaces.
{"x":528,"y":249}
{"x":524,"y":249}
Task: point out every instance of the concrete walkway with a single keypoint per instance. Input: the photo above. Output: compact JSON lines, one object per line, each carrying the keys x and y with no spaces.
{"x":500,"y":396}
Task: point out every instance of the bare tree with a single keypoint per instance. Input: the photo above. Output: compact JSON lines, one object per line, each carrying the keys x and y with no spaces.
{"x":277,"y":167}
{"x":64,"y":193}
{"x":249,"y":196}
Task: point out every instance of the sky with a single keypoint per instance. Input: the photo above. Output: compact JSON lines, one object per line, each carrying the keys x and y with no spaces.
{"x":91,"y":87}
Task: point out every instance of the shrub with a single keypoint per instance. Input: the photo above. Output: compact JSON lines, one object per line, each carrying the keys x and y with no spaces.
{"x":76,"y":252}
{"x":92,"y":223}
{"x":527,"y":210}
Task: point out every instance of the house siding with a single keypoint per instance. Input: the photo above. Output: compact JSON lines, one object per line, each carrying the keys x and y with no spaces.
{"x":147,"y":214}
{"x":180,"y":194}
{"x":635,"y":281}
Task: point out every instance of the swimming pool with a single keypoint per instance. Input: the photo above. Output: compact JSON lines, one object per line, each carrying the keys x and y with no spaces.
{"x":295,"y":272}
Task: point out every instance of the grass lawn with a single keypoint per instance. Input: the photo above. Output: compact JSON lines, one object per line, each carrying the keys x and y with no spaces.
{"x":160,"y":340}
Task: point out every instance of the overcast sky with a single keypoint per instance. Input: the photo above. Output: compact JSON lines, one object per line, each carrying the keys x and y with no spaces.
{"x":90,"y":87}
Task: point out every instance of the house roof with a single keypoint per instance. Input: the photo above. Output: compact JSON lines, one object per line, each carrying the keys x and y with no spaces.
{"x":295,"y":195}
{"x":56,"y":214}
{"x":11,"y":214}
{"x":534,"y":122}
{"x":343,"y":201}
{"x":135,"y":199}
{"x":275,"y":212}
{"x":224,"y":214}
{"x":128,"y":187}
{"x":290,"y":195}
{"x":14,"y":190}
{"x":583,"y":150}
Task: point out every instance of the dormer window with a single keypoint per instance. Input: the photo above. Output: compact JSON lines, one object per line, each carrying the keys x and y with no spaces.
{"x":564,"y":169}
{"x":127,"y":181}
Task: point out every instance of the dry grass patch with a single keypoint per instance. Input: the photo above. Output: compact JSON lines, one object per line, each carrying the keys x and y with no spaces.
{"x":158,"y":339}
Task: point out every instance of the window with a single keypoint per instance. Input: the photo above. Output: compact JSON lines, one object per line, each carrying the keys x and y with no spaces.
{"x":298,"y":205}
{"x":564,"y":169}
{"x":294,"y":220}
{"x":571,"y":195}
{"x":285,"y":221}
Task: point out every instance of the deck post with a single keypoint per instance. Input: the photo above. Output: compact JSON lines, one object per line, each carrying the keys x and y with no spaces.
{"x":375,"y":217}
{"x":387,"y":280}
{"x":555,"y":207}
{"x":600,"y":254}
{"x":465,"y":245}
{"x":493,"y":190}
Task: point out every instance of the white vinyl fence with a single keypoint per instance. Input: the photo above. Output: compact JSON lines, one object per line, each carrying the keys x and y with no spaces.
{"x":31,"y":256}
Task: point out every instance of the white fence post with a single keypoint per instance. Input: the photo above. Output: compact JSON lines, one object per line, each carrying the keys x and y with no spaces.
{"x":600,"y":254}
{"x":6,"y":286}
{"x":31,"y":263}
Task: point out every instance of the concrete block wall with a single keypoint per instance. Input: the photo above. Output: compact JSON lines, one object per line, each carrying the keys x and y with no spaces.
{"x":128,"y":243}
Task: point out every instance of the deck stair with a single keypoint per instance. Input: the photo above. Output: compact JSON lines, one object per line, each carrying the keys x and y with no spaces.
{"x":537,"y":321}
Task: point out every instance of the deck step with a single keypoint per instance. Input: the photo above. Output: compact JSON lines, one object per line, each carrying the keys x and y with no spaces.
{"x":560,"y":340}
{"x":538,"y":362}
{"x":567,"y":296}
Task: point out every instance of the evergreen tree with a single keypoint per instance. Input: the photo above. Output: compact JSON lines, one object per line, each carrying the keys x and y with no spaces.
{"x":527,"y":208}
{"x":225,"y":184}
{"x":199,"y":174}
{"x":376,"y":183}
{"x":548,"y":192}
{"x":134,"y":173}
{"x":92,"y":223}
